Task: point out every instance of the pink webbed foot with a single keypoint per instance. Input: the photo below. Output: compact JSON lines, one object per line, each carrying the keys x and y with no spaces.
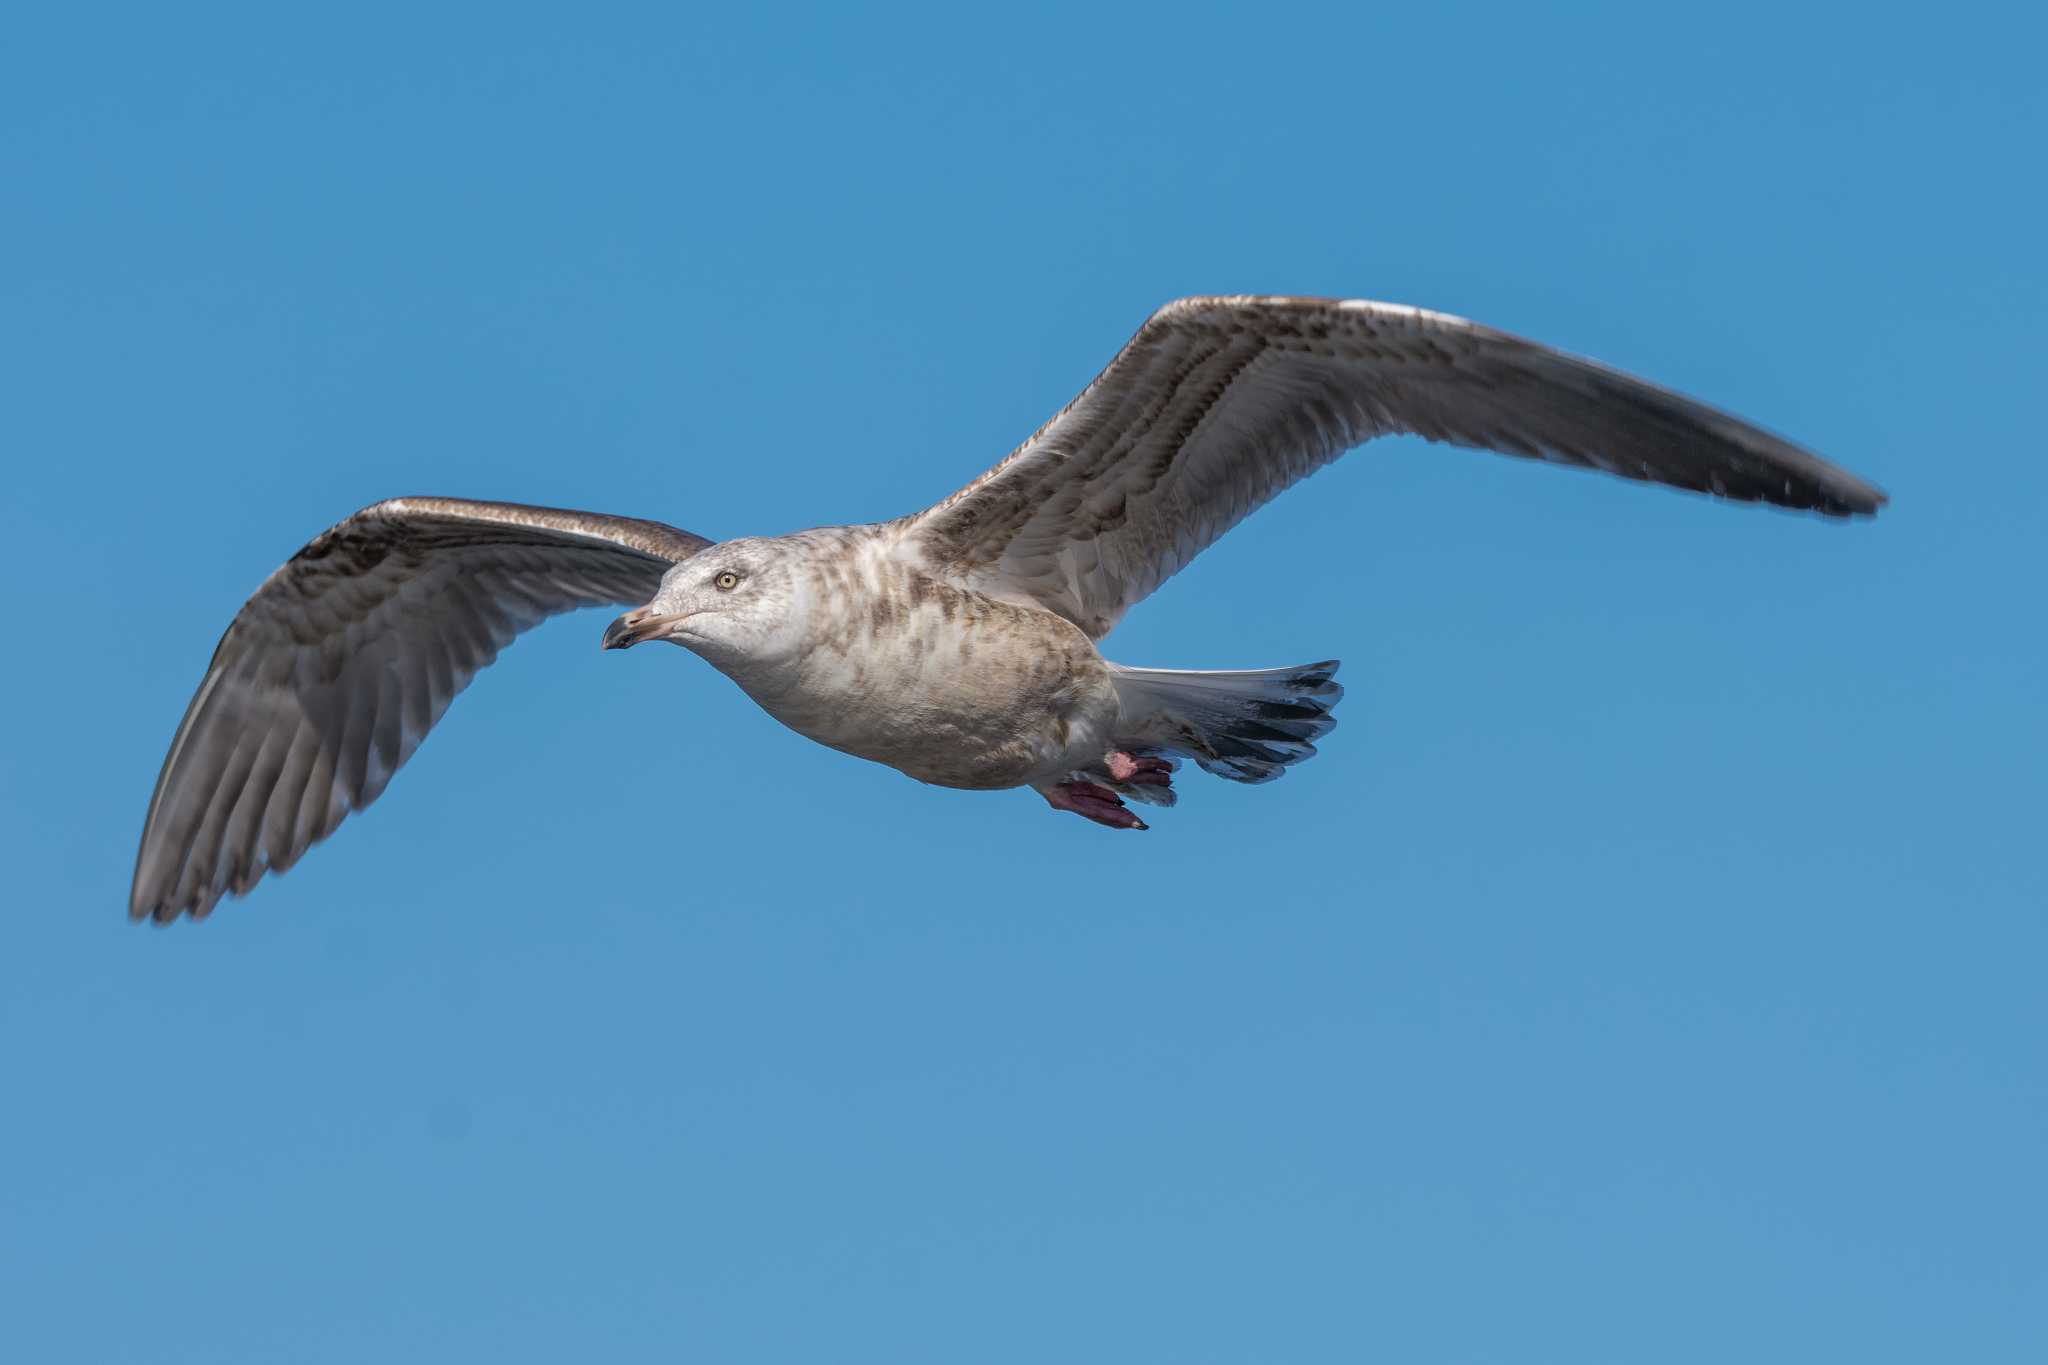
{"x":1139,"y":772}
{"x":1091,"y":802}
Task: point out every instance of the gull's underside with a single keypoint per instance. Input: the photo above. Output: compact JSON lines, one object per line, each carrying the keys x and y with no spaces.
{"x":335,"y":670}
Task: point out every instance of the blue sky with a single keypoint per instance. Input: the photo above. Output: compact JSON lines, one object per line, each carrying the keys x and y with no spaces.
{"x":1649,"y":968}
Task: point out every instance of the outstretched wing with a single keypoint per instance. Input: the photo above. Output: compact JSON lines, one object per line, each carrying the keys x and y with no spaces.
{"x":1217,"y":404}
{"x":335,"y":670}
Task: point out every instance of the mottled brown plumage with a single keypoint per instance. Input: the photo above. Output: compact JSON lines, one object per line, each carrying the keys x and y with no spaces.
{"x":956,"y":645}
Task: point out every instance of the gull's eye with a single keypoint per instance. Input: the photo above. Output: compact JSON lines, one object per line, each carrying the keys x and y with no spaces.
{"x":727,"y":581}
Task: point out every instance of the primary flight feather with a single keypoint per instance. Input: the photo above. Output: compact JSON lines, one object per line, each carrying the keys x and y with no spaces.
{"x":957,"y":644}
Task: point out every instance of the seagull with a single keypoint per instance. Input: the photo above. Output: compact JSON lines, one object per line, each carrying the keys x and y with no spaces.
{"x":958,"y":645}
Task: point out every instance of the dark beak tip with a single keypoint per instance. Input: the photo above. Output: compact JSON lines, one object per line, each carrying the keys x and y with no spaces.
{"x":636,"y":627}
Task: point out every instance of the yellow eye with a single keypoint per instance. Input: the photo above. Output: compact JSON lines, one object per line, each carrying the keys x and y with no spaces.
{"x":727,"y":581}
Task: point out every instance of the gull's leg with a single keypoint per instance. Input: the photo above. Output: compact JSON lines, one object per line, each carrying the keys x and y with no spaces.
{"x":1142,"y":772}
{"x":1091,"y":802}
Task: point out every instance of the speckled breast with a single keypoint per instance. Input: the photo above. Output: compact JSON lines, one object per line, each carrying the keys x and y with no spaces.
{"x":946,"y":685}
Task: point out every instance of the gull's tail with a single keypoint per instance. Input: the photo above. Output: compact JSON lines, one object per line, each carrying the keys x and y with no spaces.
{"x":1248,"y":726}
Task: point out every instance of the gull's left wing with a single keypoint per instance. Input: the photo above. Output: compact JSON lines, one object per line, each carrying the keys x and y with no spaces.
{"x":1217,"y":404}
{"x":335,"y":670}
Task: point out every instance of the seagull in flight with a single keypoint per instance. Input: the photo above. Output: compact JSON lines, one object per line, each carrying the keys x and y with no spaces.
{"x":958,"y":645}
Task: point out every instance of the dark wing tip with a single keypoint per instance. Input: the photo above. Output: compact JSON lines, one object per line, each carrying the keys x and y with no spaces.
{"x":1833,"y":492}
{"x":161,"y":913}
{"x":157,"y":902}
{"x":1864,"y":500}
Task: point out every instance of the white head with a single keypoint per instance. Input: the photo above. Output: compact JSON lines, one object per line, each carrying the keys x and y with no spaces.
{"x":738,"y":604}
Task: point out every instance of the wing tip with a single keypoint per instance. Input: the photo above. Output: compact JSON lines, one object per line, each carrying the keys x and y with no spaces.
{"x":1848,"y":498}
{"x":161,"y":910}
{"x":164,"y":900}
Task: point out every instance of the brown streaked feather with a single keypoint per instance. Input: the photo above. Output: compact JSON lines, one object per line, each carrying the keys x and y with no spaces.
{"x":339,"y":665}
{"x":1218,"y":404}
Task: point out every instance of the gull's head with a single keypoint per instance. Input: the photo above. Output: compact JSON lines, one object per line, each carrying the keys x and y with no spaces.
{"x":734,"y":602}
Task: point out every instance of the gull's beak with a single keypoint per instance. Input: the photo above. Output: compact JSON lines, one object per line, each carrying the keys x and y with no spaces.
{"x":641,"y":623}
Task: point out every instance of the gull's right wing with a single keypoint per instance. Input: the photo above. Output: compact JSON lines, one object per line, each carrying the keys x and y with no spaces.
{"x":335,"y":670}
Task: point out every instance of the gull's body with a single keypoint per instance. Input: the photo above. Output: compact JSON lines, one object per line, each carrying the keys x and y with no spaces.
{"x":959,"y":645}
{"x":874,"y":656}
